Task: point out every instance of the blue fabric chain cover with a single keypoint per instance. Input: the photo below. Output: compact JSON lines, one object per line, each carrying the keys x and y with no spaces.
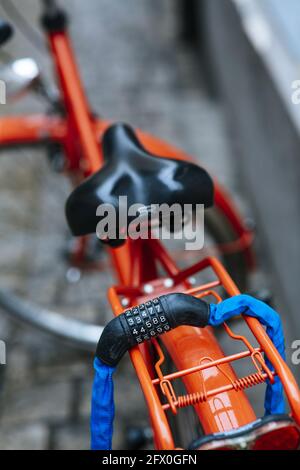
{"x":245,"y":304}
{"x":103,"y":408}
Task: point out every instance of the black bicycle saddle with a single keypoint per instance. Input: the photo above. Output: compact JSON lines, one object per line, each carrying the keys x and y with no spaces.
{"x":130,"y":170}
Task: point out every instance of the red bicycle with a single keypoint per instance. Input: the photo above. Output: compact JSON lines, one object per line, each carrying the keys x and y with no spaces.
{"x":72,"y":138}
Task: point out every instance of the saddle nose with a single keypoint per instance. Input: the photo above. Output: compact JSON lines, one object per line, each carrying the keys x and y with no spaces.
{"x":130,"y":170}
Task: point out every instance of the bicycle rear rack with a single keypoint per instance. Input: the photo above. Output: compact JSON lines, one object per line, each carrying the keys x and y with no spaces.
{"x":262,"y":373}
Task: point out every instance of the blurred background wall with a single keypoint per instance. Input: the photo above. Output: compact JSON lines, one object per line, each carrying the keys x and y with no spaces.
{"x":250,"y":51}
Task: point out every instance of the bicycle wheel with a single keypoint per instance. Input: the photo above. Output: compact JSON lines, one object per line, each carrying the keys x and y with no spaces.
{"x":33,"y":239}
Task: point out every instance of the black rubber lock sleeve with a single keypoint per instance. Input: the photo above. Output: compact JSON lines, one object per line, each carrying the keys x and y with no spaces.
{"x":146,"y":321}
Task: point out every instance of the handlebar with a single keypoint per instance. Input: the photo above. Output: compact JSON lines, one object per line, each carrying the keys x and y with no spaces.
{"x":49,"y":5}
{"x":146,"y":321}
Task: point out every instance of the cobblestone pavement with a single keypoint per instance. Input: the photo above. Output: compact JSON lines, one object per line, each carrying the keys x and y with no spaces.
{"x":135,"y":70}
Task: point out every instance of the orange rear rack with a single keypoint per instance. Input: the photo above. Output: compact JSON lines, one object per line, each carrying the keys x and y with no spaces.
{"x":153,"y":380}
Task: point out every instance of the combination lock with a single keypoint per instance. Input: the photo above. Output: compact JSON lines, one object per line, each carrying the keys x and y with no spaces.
{"x":148,"y":320}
